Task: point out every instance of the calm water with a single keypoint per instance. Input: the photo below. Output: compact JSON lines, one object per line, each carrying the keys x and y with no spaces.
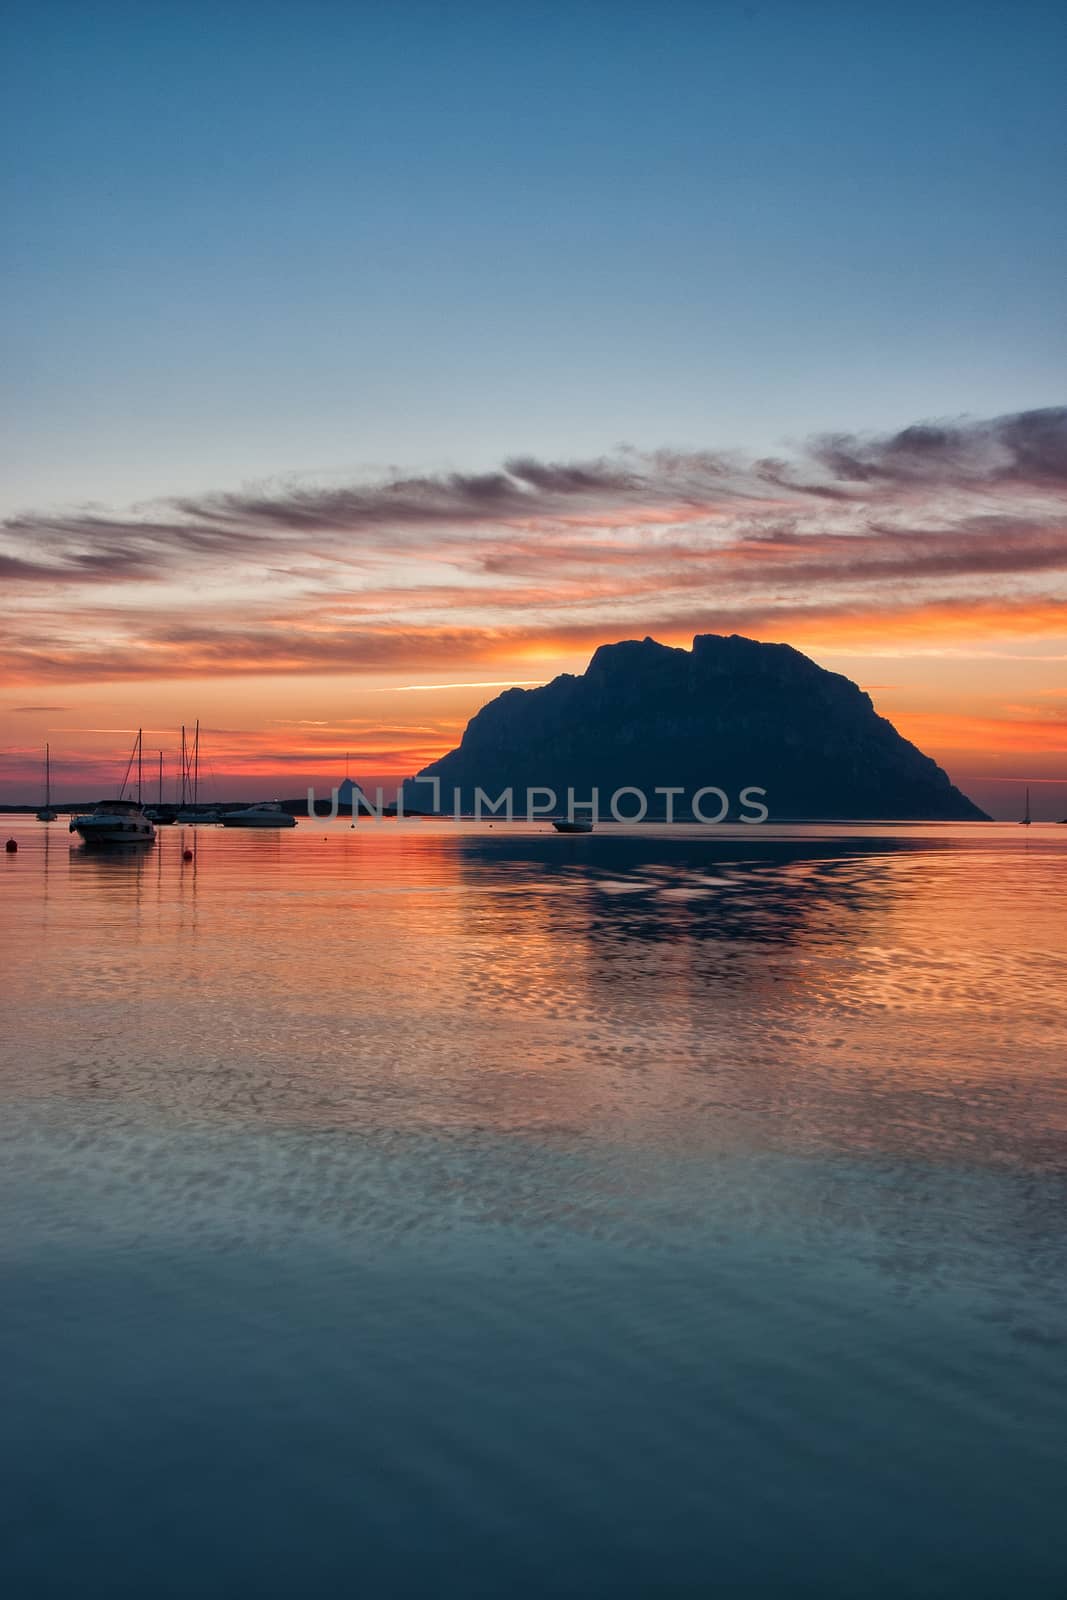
{"x":429,"y":1211}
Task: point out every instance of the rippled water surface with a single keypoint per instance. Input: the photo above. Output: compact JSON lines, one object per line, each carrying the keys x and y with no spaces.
{"x":432,"y":1210}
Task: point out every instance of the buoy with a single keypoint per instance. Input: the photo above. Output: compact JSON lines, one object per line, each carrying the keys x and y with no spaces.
{"x":187,"y":855}
{"x":11,"y":846}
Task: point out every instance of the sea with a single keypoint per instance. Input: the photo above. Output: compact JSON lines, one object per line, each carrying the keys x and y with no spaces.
{"x":450,"y":1209}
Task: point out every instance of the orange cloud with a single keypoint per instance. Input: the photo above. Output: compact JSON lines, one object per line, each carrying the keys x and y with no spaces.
{"x":946,"y":731}
{"x":300,"y":644}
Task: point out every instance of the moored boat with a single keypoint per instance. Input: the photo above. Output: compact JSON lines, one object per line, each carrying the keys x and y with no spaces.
{"x":118,"y":821}
{"x":571,"y":825}
{"x":46,"y":814}
{"x":114,"y":822}
{"x":267,"y":814}
{"x":161,"y":812}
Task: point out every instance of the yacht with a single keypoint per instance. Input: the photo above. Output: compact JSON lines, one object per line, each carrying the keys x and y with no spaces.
{"x":114,"y":822}
{"x":118,"y":821}
{"x":268,"y":814}
{"x":46,"y":814}
{"x":571,"y":825}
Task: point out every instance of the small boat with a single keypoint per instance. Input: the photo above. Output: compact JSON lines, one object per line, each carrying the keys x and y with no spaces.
{"x":114,"y":822}
{"x":1026,"y":814}
{"x":268,"y":814}
{"x":197,"y":814}
{"x":571,"y":825}
{"x":46,"y":814}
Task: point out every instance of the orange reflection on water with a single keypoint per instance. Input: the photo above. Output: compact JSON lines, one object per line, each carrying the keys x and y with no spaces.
{"x":692,"y":990}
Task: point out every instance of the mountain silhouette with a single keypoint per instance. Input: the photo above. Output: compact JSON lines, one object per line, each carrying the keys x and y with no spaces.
{"x":732,"y":712}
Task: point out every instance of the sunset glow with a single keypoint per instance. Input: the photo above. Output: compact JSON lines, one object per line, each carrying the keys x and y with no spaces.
{"x":291,"y":621}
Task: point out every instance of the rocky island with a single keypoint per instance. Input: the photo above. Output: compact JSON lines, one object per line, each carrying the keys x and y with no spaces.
{"x":731,"y":712}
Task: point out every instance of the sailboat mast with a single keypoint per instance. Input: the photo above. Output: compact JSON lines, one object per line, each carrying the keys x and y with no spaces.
{"x":140,"y":763}
{"x":47,"y":779}
{"x":161,"y":777}
{"x":183,"y":766}
{"x":129,"y":769}
{"x":196,"y":762}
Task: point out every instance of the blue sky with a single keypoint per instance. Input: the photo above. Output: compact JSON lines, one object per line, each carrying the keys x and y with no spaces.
{"x":260,"y":239}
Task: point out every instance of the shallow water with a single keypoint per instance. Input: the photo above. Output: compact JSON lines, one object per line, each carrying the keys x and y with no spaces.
{"x":423,"y":1210}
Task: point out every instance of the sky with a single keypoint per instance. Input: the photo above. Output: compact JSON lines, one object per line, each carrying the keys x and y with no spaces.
{"x":358,"y":361}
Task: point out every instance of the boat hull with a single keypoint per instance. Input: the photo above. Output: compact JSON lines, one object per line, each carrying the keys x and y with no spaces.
{"x":573,"y":827}
{"x":122,"y":833}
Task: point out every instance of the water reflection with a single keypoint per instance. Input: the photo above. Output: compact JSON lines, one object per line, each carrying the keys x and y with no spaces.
{"x":895,"y":994}
{"x":499,"y":1196}
{"x":635,"y":888}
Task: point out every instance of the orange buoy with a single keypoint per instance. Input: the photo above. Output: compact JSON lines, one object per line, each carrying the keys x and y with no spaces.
{"x":11,"y":846}
{"x":187,"y":855}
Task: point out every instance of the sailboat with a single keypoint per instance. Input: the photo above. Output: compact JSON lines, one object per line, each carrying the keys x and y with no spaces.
{"x":1026,"y":813}
{"x":118,"y":821}
{"x":160,"y":812}
{"x":46,"y":814}
{"x":189,"y":807}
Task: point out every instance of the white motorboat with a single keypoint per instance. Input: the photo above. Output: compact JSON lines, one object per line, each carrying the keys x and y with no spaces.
{"x":268,"y":814}
{"x":571,"y":825}
{"x":114,"y":822}
{"x":118,"y":821}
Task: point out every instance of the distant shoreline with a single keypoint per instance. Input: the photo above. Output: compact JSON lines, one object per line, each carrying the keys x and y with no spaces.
{"x":68,"y":810}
